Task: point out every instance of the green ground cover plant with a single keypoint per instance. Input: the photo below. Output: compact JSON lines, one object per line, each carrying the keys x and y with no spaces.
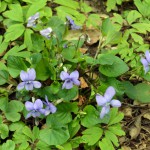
{"x":55,"y":95}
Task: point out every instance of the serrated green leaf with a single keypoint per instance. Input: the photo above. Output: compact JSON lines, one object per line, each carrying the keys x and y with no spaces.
{"x":112,"y":137}
{"x":116,"y":129}
{"x":4,"y":131}
{"x":85,"y":8}
{"x":68,"y":3}
{"x":91,"y":116}
{"x":68,"y":95}
{"x":54,"y":136}
{"x":13,"y":116}
{"x":3,"y":45}
{"x":3,"y":6}
{"x":15,"y":13}
{"x":35,"y":7}
{"x":42,"y":145}
{"x":28,"y":39}
{"x":118,"y":67}
{"x":74,"y":127}
{"x":105,"y":144}
{"x":137,"y":38}
{"x":12,"y":110}
{"x":16,"y":126}
{"x":133,"y":15}
{"x":143,"y":7}
{"x":27,"y":131}
{"x":141,"y":27}
{"x":110,"y":5}
{"x":115,"y":116}
{"x":9,"y":145}
{"x":3,"y":103}
{"x":13,"y":32}
{"x":15,"y":65}
{"x":4,"y":77}
{"x":68,"y":53}
{"x":36,"y":132}
{"x":17,"y":51}
{"x":92,"y":135}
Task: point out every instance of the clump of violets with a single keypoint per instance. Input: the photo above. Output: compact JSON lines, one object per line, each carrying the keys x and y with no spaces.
{"x":32,"y":20}
{"x":46,"y":32}
{"x":106,"y":100}
{"x":69,"y":79}
{"x":73,"y":25}
{"x":146,"y":61}
{"x":28,"y":80}
{"x":37,"y":108}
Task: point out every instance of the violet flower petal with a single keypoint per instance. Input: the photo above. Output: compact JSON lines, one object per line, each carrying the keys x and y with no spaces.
{"x":100,"y":100}
{"x":28,"y":115}
{"x":105,"y":110}
{"x":110,"y":92}
{"x":67,"y":85}
{"x":147,"y":55}
{"x":144,"y":61}
{"x":74,"y":74}
{"x":37,"y":84}
{"x":29,"y":86}
{"x":24,"y":76}
{"x":20,"y":86}
{"x":52,"y":108}
{"x":46,"y":32}
{"x":38,"y":104}
{"x":31,"y":74}
{"x":115,"y":103}
{"x":29,"y":106}
{"x":76,"y":82}
{"x":36,"y":114}
{"x":146,"y":69}
{"x":64,"y":75}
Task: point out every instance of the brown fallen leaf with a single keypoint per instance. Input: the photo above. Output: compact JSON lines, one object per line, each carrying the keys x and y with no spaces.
{"x":136,"y":128}
{"x":83,"y":50}
{"x":127,"y":112}
{"x":83,"y":83}
{"x":125,"y":148}
{"x":147,"y":115}
{"x":91,"y":36}
{"x":82,"y":100}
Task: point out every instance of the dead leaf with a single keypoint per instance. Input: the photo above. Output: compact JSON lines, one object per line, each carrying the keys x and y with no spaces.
{"x":136,"y":128}
{"x":83,"y":83}
{"x":125,"y":148}
{"x":147,"y":115}
{"x":91,"y":36}
{"x":127,"y":112}
{"x":83,"y":50}
{"x":81,"y":100}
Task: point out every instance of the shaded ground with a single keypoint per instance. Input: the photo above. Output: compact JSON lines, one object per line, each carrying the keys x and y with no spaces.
{"x":136,"y":125}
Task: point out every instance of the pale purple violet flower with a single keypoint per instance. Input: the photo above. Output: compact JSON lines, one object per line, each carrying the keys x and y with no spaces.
{"x":46,"y":32}
{"x":28,"y":80}
{"x":69,"y":79}
{"x":35,"y":109}
{"x":73,"y":25}
{"x":106,"y":100}
{"x":32,"y":20}
{"x":146,"y":61}
{"x":50,"y":108}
